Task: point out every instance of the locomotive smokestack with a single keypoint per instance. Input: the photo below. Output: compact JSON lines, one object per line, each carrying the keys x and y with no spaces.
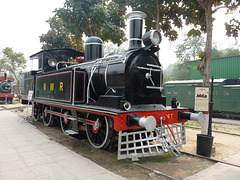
{"x":5,"y":76}
{"x":135,"y":29}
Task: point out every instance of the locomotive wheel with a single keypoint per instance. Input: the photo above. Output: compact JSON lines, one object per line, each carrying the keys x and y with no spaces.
{"x":36,"y":113}
{"x":99,"y":135}
{"x":47,"y":118}
{"x":65,"y":123}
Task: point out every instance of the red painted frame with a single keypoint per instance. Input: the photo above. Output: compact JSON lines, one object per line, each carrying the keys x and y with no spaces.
{"x":6,"y":95}
{"x":168,"y":116}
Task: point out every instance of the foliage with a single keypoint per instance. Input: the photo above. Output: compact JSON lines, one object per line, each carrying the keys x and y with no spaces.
{"x":110,"y":48}
{"x":59,"y":37}
{"x":104,"y":19}
{"x":232,"y":28}
{"x":185,"y":52}
{"x":224,"y":53}
{"x":177,"y":71}
{"x":19,"y":96}
{"x":12,"y":61}
{"x":190,"y":48}
{"x":171,"y":15}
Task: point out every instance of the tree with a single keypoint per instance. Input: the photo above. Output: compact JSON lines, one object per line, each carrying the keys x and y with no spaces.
{"x":177,"y":71}
{"x":13,"y":62}
{"x":105,"y":19}
{"x":224,"y":52}
{"x":59,"y":37}
{"x":189,"y":49}
{"x":210,"y":7}
{"x":185,"y":52}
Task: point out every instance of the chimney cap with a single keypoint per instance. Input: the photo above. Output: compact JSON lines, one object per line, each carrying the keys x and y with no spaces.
{"x":136,"y":14}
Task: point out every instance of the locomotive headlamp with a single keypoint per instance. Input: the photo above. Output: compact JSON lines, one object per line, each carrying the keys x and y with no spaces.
{"x":152,"y":37}
{"x":52,"y":62}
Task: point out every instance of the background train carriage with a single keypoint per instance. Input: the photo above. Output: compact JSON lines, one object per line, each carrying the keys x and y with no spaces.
{"x":27,"y":85}
{"x":226,"y":95}
{"x":6,"y":89}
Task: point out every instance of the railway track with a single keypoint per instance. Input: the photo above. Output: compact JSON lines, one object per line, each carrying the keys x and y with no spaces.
{"x":223,"y":132}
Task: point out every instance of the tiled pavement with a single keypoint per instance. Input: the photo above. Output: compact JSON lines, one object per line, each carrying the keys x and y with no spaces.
{"x":26,"y":153}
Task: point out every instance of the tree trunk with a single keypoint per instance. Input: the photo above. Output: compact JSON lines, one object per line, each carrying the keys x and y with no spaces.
{"x":205,"y":70}
{"x":157,"y":21}
{"x":208,"y":48}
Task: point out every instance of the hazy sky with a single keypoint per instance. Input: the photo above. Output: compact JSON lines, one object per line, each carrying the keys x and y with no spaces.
{"x":23,"y":21}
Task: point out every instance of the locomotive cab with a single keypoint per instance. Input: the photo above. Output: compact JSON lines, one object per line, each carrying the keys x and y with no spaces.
{"x":50,"y":60}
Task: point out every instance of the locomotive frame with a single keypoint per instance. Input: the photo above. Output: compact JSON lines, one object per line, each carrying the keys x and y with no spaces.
{"x":118,"y":95}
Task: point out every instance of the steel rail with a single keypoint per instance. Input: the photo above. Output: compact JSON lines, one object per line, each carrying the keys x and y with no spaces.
{"x":223,"y":132}
{"x":156,"y":172}
{"x":211,"y":159}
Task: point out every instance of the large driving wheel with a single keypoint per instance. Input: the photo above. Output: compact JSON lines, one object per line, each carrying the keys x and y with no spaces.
{"x":36,"y":112}
{"x":99,"y":135}
{"x":47,"y":117}
{"x":65,"y":123}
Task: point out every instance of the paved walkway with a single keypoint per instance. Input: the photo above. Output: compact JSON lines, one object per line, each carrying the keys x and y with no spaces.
{"x":26,"y":153}
{"x":220,"y":171}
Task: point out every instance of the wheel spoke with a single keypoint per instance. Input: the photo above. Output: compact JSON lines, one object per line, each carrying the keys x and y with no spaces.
{"x":47,"y":117}
{"x":65,"y":126}
{"x":99,"y":135}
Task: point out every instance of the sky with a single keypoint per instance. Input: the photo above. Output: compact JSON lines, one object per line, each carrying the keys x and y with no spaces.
{"x":23,"y":21}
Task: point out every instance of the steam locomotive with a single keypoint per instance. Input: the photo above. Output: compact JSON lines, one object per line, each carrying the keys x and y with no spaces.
{"x":110,"y":96}
{"x":6,"y":90}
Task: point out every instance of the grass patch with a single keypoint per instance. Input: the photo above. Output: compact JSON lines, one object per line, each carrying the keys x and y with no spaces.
{"x":127,"y":165}
{"x":157,"y":159}
{"x":193,"y":123}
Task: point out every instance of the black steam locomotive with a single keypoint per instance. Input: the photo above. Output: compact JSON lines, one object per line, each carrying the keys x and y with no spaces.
{"x":6,"y":90}
{"x":116,"y":95}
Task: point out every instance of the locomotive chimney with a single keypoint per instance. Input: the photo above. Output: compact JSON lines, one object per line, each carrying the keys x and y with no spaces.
{"x":135,"y":29}
{"x":5,"y":76}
